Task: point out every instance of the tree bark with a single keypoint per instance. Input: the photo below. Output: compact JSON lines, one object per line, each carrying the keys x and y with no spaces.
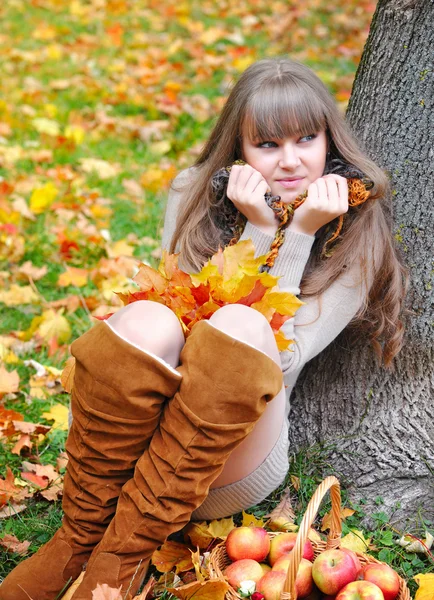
{"x":381,"y":423}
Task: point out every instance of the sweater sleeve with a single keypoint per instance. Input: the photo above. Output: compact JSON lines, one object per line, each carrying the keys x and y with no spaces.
{"x":320,"y":320}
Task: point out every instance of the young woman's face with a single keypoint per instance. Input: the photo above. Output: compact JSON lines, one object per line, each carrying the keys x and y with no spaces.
{"x":288,"y":165}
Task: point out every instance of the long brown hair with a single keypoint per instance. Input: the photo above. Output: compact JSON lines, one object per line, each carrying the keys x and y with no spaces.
{"x":278,"y":98}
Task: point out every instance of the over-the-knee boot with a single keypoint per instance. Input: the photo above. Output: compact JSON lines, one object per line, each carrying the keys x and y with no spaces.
{"x":224,"y":390}
{"x":117,"y":400}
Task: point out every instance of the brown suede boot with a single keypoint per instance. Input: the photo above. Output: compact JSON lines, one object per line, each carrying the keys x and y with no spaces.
{"x":116,"y":402}
{"x":224,"y":390}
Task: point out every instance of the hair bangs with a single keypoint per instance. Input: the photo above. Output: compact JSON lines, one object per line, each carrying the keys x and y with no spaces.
{"x":279,"y":111}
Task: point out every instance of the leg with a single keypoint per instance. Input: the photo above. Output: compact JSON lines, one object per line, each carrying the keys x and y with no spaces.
{"x":119,"y":392}
{"x":250,"y":327}
{"x":225,"y":387}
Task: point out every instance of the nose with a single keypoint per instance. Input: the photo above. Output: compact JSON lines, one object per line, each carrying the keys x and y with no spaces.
{"x":289,"y":158}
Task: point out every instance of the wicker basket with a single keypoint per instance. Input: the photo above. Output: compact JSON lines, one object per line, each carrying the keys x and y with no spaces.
{"x":219,"y":559}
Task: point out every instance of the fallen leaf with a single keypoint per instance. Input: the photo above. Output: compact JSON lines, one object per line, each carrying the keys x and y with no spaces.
{"x":202,"y":590}
{"x":415,"y":545}
{"x":220,"y":528}
{"x":327,"y":519}
{"x":172,"y":554}
{"x":282,"y":516}
{"x":251,"y":521}
{"x":198,"y":534}
{"x":102,"y":168}
{"x":43,"y":197}
{"x":67,"y":378}
{"x":9,"y":382}
{"x":73,"y":276}
{"x":19,"y":294}
{"x":425,"y":582}
{"x":355,"y":541}
{"x":29,"y":270}
{"x":12,"y":544}
{"x":23,"y":442}
{"x":59,"y":414}
{"x":105,"y":592}
{"x":147,"y":590}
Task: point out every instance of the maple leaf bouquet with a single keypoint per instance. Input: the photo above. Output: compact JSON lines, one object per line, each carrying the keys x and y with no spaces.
{"x":231,"y":276}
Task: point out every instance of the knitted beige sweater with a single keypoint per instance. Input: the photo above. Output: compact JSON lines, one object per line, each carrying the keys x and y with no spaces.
{"x":319,"y":320}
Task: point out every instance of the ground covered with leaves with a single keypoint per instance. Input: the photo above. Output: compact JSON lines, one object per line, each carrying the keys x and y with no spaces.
{"x":102,"y":103}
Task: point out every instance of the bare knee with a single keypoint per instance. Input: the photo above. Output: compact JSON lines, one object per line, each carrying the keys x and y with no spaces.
{"x":247,"y":325}
{"x":151,"y":326}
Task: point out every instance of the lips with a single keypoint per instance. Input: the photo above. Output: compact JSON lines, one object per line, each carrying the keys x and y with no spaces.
{"x":290,"y":182}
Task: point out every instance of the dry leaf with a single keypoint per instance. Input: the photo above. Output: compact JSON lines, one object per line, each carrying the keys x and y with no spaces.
{"x":282,"y":517}
{"x":172,"y":554}
{"x":19,"y":294}
{"x":11,"y":544}
{"x":9,"y":381}
{"x":202,"y":590}
{"x":414,"y":545}
{"x":147,"y":590}
{"x":67,"y":378}
{"x":198,"y":534}
{"x":59,"y":414}
{"x":327,"y":519}
{"x":425,"y":582}
{"x":23,"y":442}
{"x":105,"y":592}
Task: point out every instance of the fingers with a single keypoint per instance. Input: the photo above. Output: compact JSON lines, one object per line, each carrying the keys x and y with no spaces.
{"x":244,"y":181}
{"x":330,"y":194}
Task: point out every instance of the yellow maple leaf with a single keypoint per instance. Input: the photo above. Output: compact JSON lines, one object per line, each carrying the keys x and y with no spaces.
{"x":355,"y":541}
{"x":198,"y":534}
{"x":102,"y":168}
{"x":250,"y":520}
{"x":73,"y":276}
{"x":425,"y":582}
{"x":43,"y":197}
{"x":54,"y":325}
{"x":220,"y":528}
{"x":282,"y":342}
{"x":283,"y":302}
{"x":59,"y":414}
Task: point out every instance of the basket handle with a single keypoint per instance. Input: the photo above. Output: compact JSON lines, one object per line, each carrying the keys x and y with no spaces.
{"x":333,"y":538}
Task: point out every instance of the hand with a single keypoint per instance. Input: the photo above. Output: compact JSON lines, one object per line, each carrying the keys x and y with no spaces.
{"x":327,"y":199}
{"x":246,"y":188}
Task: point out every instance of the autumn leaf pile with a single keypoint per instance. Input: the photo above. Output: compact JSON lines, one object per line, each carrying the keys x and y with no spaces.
{"x":232,"y":276}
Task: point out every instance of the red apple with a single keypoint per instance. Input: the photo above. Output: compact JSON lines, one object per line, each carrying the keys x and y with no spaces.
{"x":284,"y":543}
{"x":360,"y":590}
{"x":271,"y":585}
{"x":248,"y":542}
{"x":243,"y":570}
{"x":383,"y":576}
{"x":332,"y":570}
{"x":355,"y":558}
{"x":304,"y":580}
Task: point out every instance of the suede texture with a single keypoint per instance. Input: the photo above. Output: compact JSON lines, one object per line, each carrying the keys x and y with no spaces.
{"x":224,"y":390}
{"x":117,"y":400}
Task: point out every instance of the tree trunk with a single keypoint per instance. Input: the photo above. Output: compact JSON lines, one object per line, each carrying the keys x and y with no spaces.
{"x":381,"y":423}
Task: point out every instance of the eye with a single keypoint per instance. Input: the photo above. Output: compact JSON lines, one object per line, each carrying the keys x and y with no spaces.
{"x":267,"y":145}
{"x":308,"y":138}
